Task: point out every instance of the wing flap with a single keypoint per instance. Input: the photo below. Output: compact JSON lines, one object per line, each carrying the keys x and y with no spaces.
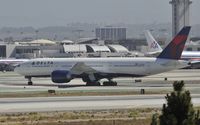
{"x":81,"y":67}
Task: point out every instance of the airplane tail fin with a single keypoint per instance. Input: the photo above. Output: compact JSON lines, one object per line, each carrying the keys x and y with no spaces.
{"x":153,"y":46}
{"x":175,"y":48}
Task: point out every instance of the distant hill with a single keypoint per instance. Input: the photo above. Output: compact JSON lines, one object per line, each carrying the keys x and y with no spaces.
{"x":74,"y":31}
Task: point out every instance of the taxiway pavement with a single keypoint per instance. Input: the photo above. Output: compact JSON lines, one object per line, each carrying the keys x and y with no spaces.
{"x":11,"y":82}
{"x":77,"y":103}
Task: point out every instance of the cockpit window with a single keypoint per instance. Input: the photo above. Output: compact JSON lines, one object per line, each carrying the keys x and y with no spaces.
{"x":33,"y":63}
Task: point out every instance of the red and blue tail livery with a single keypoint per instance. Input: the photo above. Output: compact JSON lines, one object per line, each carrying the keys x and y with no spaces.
{"x":176,"y":46}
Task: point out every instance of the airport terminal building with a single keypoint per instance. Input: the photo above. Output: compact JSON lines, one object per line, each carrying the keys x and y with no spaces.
{"x":45,"y":48}
{"x":111,"y":33}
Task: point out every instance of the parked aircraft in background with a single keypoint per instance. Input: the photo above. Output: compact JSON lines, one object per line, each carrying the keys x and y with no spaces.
{"x":92,"y":70}
{"x":9,"y":64}
{"x":155,"y":48}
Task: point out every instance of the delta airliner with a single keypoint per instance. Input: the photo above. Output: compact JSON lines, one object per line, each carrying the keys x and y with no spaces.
{"x":92,"y":70}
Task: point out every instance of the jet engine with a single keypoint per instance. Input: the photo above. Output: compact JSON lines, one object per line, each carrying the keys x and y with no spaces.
{"x":61,"y":76}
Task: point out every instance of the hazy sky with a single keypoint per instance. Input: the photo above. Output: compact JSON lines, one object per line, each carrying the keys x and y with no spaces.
{"x":40,"y":13}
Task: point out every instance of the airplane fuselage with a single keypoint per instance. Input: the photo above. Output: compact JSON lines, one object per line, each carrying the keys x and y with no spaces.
{"x":134,"y":67}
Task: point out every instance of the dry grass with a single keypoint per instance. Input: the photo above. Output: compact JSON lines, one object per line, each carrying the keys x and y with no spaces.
{"x":75,"y":93}
{"x":108,"y":117}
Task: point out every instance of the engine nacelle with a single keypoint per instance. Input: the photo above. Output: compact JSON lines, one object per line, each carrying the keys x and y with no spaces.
{"x":61,"y":76}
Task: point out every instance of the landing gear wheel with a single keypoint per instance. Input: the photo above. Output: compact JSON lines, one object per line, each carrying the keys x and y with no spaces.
{"x":93,"y":84}
{"x":29,"y":80}
{"x":30,"y":83}
{"x":110,"y":83}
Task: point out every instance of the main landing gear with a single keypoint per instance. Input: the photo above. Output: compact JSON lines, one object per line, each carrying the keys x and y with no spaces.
{"x":106,"y":83}
{"x":94,"y":83}
{"x":110,"y":83}
{"x":29,"y":80}
{"x":90,"y":82}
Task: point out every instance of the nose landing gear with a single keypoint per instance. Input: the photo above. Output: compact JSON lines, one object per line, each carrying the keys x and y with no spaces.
{"x":29,"y":80}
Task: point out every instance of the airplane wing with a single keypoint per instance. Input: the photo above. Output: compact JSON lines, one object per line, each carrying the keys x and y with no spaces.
{"x":194,"y":63}
{"x":5,"y":63}
{"x":12,"y":61}
{"x":81,"y":67}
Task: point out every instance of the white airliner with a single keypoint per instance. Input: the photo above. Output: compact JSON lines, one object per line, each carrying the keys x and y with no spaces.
{"x":153,"y":46}
{"x":92,"y":70}
{"x":154,"y":49}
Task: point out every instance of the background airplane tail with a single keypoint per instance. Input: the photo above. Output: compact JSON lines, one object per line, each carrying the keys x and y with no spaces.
{"x":153,"y":45}
{"x":176,"y":46}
